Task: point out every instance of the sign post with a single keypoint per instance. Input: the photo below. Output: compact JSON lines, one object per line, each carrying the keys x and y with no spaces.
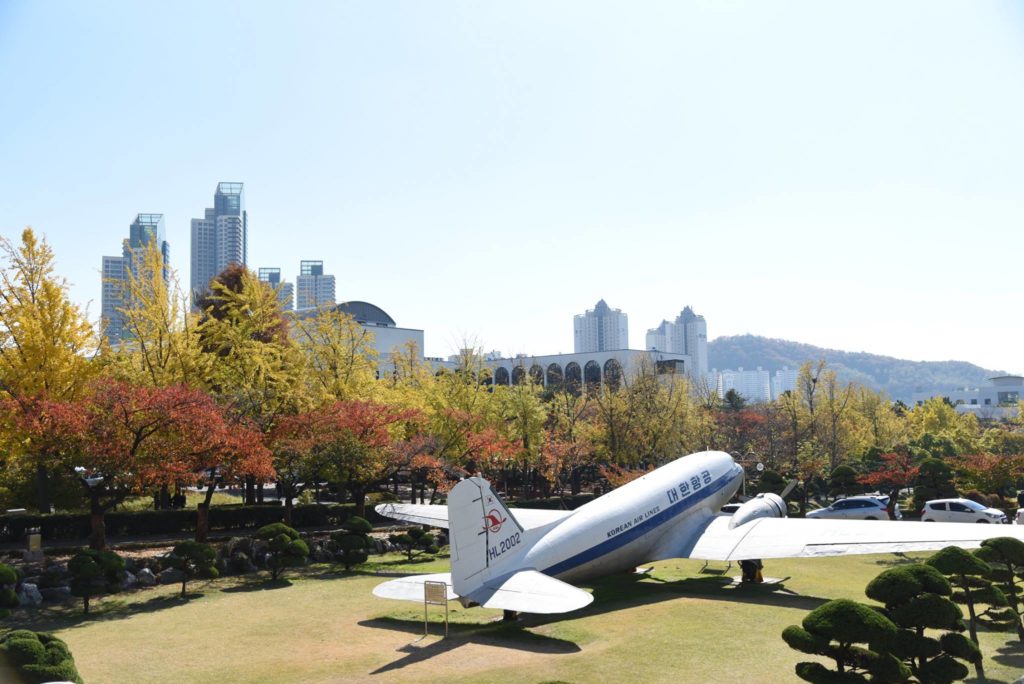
{"x":435,"y":594}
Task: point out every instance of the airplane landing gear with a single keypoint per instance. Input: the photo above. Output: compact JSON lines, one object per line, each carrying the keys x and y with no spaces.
{"x":510,"y":616}
{"x":752,"y":571}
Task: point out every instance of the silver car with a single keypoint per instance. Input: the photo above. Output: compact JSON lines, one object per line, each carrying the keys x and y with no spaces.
{"x":857,"y":508}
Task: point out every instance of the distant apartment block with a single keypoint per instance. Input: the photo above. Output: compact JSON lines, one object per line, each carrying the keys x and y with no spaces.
{"x":752,"y":385}
{"x":285,"y":290}
{"x":784,"y":381}
{"x":313,"y":288}
{"x":600,"y":329}
{"x":220,"y":238}
{"x":116,"y":271}
{"x":688,"y":334}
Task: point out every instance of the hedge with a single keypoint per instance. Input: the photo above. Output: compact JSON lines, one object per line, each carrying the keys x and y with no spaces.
{"x":13,"y":528}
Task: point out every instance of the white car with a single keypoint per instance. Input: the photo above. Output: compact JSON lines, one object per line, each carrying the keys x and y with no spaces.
{"x":1019,"y":520}
{"x":857,"y":508}
{"x":960,"y":510}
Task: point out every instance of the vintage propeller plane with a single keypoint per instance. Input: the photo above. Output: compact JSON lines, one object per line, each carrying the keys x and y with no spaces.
{"x":525,"y":560}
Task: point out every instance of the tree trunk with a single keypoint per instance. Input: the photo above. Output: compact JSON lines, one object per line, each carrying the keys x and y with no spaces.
{"x":98,"y":536}
{"x":183,"y":583}
{"x":85,"y":604}
{"x":359,"y":497}
{"x":288,"y":510}
{"x":250,"y":490}
{"x":164,"y":501}
{"x":203,"y":514}
{"x":259,"y":492}
{"x":43,"y":487}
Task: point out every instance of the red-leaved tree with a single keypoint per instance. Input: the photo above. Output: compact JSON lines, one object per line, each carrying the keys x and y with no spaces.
{"x":894,"y":472}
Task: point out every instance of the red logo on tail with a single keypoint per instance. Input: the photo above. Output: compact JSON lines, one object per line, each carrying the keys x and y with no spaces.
{"x":493,"y":521}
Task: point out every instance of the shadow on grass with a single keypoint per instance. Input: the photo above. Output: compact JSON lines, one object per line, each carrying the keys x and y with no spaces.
{"x":898,"y":559}
{"x":114,"y":607}
{"x":512,"y":635}
{"x":621,"y":591}
{"x":1011,"y":655}
{"x":258,"y":585}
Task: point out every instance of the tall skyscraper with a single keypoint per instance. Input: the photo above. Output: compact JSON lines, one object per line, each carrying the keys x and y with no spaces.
{"x":312,"y":287}
{"x":285,"y":290}
{"x":600,"y":329}
{"x":220,"y":238}
{"x":687,"y":335}
{"x":145,"y":229}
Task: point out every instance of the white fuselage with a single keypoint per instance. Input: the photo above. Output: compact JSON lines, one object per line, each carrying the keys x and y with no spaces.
{"x":652,"y":517}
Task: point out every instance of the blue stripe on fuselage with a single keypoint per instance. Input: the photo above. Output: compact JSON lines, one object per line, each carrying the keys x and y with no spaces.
{"x":684,"y":505}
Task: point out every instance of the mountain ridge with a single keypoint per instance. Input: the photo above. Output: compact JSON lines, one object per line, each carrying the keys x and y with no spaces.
{"x":899,"y":378}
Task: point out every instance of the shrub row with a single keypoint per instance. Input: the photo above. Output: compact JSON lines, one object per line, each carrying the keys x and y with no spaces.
{"x":39,"y":657}
{"x":13,"y":528}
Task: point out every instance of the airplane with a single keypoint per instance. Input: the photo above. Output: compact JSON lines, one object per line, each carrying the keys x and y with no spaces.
{"x":526,"y":560}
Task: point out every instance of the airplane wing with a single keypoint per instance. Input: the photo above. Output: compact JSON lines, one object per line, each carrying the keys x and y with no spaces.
{"x":531,"y":591}
{"x":806,"y":538}
{"x":437,"y":516}
{"x":411,"y":588}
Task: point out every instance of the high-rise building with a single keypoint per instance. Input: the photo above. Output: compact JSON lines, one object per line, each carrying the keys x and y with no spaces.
{"x":313,"y":289}
{"x":688,"y":334}
{"x":285,"y":290}
{"x":145,"y":229}
{"x":784,"y":381}
{"x":752,"y":385}
{"x":220,"y":238}
{"x":600,"y":329}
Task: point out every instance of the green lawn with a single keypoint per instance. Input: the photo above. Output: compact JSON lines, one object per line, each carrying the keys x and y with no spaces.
{"x":673,"y":625}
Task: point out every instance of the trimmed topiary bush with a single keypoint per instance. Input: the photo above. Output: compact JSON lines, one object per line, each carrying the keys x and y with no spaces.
{"x":194,"y":559}
{"x":415,"y":541}
{"x":286,"y":549}
{"x":39,"y":657}
{"x":352,"y":541}
{"x":916,"y":599}
{"x":9,"y":577}
{"x":834,"y":630}
{"x":1006,"y":557}
{"x":94,"y":573}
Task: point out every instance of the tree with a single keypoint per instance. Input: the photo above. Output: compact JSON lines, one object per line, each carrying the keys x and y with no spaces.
{"x":285,"y":547}
{"x":194,"y":559}
{"x":834,"y":631}
{"x":413,"y":541}
{"x":971,"y":578}
{"x":1006,"y":556}
{"x":352,"y":541}
{"x":843,"y":480}
{"x":9,"y":578}
{"x":340,"y":352}
{"x":934,"y":481}
{"x":893,"y":472}
{"x":45,"y":341}
{"x":94,"y":573}
{"x":989,"y":473}
{"x":164,"y":348}
{"x":916,"y":598}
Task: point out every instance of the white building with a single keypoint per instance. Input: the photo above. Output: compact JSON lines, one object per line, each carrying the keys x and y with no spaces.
{"x":313,"y":288}
{"x":600,"y":329}
{"x":219,"y":239}
{"x":584,"y":368}
{"x":752,"y":385}
{"x":995,"y":400}
{"x":688,"y":334}
{"x":783,"y":381}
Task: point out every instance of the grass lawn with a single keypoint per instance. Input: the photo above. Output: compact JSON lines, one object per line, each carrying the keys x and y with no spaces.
{"x":322,"y":625}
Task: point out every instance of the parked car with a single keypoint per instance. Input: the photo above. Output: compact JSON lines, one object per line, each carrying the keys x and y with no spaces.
{"x":960,"y":510}
{"x":857,"y":508}
{"x":1019,"y":519}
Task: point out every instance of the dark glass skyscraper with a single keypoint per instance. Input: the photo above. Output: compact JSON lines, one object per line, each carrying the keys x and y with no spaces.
{"x":145,"y":229}
{"x":220,"y":238}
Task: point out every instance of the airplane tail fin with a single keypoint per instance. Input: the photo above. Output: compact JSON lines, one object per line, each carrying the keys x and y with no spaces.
{"x":486,"y":544}
{"x":485,"y":536}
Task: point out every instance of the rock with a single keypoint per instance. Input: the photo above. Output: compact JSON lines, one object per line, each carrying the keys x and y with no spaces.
{"x":29,"y":595}
{"x":323,"y":556}
{"x":62,"y":593}
{"x":172,"y":576}
{"x":145,"y":577}
{"x":130,"y":564}
{"x":130,"y":581}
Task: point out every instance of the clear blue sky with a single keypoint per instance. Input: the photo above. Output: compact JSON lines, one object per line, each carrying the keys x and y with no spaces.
{"x":848,"y":175}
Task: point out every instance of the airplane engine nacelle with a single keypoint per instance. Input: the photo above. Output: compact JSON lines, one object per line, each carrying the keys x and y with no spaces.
{"x":764,"y":505}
